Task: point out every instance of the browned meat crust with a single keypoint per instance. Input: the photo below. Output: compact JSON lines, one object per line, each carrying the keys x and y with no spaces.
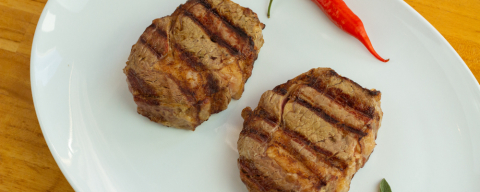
{"x":189,"y":65}
{"x":312,"y":133}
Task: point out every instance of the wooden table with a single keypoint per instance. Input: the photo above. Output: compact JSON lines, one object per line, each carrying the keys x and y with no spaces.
{"x":26,"y":163}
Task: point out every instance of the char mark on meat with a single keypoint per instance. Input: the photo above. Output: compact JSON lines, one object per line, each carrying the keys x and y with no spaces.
{"x":194,"y":61}
{"x":321,"y":113}
{"x":250,"y":173}
{"x":322,"y":154}
{"x":326,"y":131}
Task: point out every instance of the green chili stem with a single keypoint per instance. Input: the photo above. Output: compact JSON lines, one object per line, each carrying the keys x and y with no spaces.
{"x":269,"y":6}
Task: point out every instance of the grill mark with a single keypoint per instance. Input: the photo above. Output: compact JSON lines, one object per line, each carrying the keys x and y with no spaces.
{"x":221,"y":101}
{"x":159,"y":31}
{"x":161,"y":34}
{"x":213,"y":90}
{"x":285,"y":144}
{"x":255,"y":133}
{"x":370,"y":92}
{"x":190,"y":59}
{"x":148,"y":94}
{"x":373,"y":92}
{"x":148,"y":100}
{"x":239,"y":31}
{"x":263,"y":114}
{"x":359,"y":116}
{"x":213,"y":37}
{"x":143,"y":41}
{"x":250,"y":172}
{"x":322,"y":154}
{"x":317,"y":180}
{"x":282,"y":89}
{"x":338,"y":96}
{"x":189,"y":94}
{"x":319,"y":112}
{"x":211,"y":87}
{"x":139,"y":84}
{"x":347,"y":100}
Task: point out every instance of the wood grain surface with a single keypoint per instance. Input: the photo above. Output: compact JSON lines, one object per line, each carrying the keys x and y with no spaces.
{"x":26,"y":163}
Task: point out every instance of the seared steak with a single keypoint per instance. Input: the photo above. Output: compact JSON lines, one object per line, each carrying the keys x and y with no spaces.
{"x":189,"y":65}
{"x":312,"y":133}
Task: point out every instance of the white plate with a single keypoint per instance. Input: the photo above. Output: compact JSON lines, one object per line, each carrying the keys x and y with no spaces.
{"x":430,"y":134}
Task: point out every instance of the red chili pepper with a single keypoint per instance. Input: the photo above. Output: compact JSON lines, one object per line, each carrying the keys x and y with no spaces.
{"x":343,"y":17}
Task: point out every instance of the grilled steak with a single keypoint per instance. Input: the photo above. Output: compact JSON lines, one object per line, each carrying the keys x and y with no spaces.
{"x":312,"y":133}
{"x":189,"y":65}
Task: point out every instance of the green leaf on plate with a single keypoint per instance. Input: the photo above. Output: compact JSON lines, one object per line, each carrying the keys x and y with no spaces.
{"x":384,"y":187}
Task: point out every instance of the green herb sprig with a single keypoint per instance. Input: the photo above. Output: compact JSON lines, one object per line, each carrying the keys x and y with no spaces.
{"x":269,"y":6}
{"x":384,"y":187}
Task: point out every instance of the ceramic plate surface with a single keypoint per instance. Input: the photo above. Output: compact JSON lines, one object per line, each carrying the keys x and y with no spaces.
{"x":429,"y":139}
